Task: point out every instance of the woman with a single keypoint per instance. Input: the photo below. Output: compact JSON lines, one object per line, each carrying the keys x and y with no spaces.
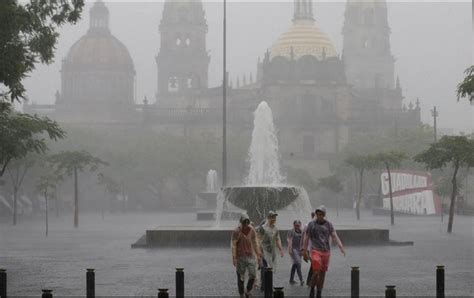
{"x":294,"y":248}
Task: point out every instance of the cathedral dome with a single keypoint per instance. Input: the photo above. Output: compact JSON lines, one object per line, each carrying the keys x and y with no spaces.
{"x":304,"y":37}
{"x":98,"y":68}
{"x":99,"y":49}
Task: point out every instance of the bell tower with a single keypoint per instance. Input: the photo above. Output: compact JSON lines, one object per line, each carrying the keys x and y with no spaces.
{"x":183,"y":60}
{"x":366,"y":51}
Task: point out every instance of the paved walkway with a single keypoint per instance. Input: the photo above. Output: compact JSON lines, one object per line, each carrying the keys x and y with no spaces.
{"x":59,"y":262}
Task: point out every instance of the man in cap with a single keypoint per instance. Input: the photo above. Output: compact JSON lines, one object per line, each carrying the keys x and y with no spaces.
{"x":318,"y":232}
{"x":269,"y":240}
{"x":245,"y":254}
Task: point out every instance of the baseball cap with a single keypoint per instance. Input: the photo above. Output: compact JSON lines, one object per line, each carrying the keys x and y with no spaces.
{"x":272,"y":214}
{"x":322,"y":209}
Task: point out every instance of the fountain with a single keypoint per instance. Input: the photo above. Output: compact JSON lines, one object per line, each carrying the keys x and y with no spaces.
{"x":264,"y":188}
{"x":207,"y":200}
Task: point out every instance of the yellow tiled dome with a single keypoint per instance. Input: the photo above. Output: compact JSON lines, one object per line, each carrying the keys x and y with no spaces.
{"x":303,"y":38}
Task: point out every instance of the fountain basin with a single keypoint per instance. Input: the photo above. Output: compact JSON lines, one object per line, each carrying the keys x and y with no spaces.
{"x":258,"y":200}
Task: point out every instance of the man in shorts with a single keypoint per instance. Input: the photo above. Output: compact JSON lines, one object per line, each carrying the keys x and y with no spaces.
{"x":245,"y":254}
{"x":318,"y":232}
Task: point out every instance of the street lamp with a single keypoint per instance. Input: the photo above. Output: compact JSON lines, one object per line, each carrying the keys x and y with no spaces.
{"x":435,"y":114}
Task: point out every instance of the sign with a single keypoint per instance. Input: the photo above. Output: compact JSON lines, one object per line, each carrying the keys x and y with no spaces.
{"x":412,"y":192}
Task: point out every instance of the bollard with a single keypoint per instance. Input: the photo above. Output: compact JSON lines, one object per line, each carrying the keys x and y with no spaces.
{"x":179,"y":282}
{"x":3,"y":283}
{"x":268,"y":280}
{"x":390,"y":292}
{"x":278,"y":292}
{"x":440,"y":281}
{"x":47,"y":293}
{"x":90,"y":280}
{"x":355,"y":282}
{"x":163,"y":293}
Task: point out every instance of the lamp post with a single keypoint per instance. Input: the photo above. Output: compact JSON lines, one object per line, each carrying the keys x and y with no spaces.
{"x":224,"y":100}
{"x":435,"y":114}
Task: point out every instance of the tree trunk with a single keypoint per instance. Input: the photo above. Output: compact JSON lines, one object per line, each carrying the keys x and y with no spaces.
{"x":15,"y":198}
{"x":392,"y":215}
{"x":453,"y":198}
{"x":359,"y":197}
{"x":76,"y":200}
{"x":56,"y":204}
{"x":46,"y":203}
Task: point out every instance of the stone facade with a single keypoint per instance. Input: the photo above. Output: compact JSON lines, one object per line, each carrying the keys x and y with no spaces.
{"x":320,"y":99}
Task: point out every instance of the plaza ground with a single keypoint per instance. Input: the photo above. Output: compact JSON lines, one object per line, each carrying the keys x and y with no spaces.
{"x":59,"y":262}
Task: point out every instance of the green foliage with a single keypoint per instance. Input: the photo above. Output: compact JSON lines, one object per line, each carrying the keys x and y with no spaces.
{"x":47,"y":183}
{"x":361,"y":162}
{"x":466,"y":87}
{"x":67,"y":162}
{"x":28,"y":34}
{"x":390,"y":159}
{"x":21,"y":134}
{"x":331,"y":183}
{"x":457,"y":150}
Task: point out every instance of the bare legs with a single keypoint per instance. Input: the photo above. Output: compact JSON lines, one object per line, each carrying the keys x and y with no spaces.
{"x":317,"y":280}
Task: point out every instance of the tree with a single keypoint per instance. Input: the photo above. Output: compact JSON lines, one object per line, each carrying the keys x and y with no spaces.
{"x":455,"y":151}
{"x":17,"y":170}
{"x":110,"y":186}
{"x":21,"y":134}
{"x":466,"y":87}
{"x":70,"y":163}
{"x":360,"y":163}
{"x":333,"y":184}
{"x":28,"y":34}
{"x":46,"y":185}
{"x":389,"y":160}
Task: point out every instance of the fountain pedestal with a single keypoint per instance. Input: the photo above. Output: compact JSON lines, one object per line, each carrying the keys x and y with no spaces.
{"x":259,"y":200}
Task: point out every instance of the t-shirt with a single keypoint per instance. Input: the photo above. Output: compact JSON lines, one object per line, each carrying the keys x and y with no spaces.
{"x":319,"y":234}
{"x":268,"y":237}
{"x":244,"y":241}
{"x":295,"y":238}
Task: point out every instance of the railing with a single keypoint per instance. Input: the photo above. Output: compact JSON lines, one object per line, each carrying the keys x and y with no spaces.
{"x":269,"y":289}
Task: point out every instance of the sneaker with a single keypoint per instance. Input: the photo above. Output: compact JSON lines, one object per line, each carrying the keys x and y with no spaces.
{"x":301,"y":283}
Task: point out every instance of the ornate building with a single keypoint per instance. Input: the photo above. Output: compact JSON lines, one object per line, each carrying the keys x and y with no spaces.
{"x":320,"y":98}
{"x":97,"y":78}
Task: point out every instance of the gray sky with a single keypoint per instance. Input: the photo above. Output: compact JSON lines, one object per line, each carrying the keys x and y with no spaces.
{"x":432,"y":42}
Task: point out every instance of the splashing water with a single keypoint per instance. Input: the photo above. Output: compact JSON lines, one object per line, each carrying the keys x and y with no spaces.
{"x":263,"y":156}
{"x":211,"y":181}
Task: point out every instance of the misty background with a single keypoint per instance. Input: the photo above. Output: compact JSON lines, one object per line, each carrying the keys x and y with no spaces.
{"x":431,"y":41}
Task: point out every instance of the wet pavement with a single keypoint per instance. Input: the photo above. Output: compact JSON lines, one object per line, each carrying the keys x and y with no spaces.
{"x":59,"y":262}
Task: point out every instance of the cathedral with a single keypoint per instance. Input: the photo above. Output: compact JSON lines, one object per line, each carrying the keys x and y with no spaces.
{"x":320,"y":98}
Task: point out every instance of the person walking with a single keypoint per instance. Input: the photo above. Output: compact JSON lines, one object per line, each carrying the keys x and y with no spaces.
{"x":319,"y":232}
{"x":269,"y":240}
{"x":294,"y":239}
{"x":308,"y":250}
{"x":245,"y":255}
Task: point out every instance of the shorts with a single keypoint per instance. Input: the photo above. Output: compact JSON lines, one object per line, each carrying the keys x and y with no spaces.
{"x":247,"y":264}
{"x":320,"y":260}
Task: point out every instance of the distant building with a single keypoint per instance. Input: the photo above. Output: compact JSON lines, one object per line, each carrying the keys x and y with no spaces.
{"x":320,"y":98}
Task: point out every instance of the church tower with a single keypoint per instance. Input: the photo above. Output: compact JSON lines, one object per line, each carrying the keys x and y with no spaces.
{"x":366,"y":51}
{"x":183,"y":59}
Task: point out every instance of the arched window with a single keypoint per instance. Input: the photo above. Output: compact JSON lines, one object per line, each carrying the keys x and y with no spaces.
{"x":178,"y":41}
{"x":188,"y":41}
{"x":173,"y":84}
